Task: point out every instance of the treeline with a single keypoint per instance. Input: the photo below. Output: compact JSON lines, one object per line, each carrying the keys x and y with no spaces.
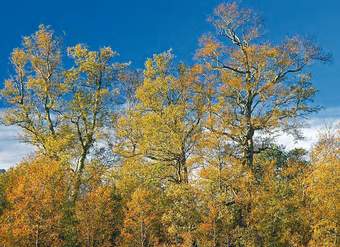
{"x":174,"y":155}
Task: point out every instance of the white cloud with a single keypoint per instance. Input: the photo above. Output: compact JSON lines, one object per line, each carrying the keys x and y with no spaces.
{"x":325,"y":118}
{"x":12,"y":150}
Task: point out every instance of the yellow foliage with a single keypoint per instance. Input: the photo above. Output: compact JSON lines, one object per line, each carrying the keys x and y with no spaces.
{"x":36,"y":191}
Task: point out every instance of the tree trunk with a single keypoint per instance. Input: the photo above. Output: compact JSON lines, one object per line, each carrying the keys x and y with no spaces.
{"x":249,"y":135}
{"x":182,"y":171}
{"x":79,"y":174}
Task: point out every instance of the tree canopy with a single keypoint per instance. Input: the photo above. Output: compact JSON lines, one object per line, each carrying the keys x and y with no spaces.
{"x":174,"y":154}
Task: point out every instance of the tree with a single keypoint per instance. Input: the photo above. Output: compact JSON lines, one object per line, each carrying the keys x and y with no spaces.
{"x":227,"y":198}
{"x":35,"y":92}
{"x":141,"y":223}
{"x":220,"y":180}
{"x":215,"y":228}
{"x":98,"y":212}
{"x":93,"y":82}
{"x":327,"y":146}
{"x":35,"y":192}
{"x":277,"y":215}
{"x":3,"y":183}
{"x":181,"y":215}
{"x":257,"y":87}
{"x":166,"y":123}
{"x":322,"y":189}
{"x":175,"y":156}
{"x":62,"y":112}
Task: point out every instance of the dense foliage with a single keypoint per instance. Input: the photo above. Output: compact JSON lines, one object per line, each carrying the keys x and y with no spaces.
{"x":176,"y":155}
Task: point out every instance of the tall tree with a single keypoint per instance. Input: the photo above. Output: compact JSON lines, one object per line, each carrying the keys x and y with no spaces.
{"x":35,"y":91}
{"x":258,"y":87}
{"x":166,"y":122}
{"x":93,"y":82}
{"x":62,"y":112}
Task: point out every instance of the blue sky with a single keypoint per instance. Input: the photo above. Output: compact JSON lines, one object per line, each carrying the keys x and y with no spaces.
{"x":137,"y":29}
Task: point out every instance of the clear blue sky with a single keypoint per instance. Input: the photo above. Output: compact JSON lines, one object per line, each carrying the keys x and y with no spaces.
{"x":137,"y":28}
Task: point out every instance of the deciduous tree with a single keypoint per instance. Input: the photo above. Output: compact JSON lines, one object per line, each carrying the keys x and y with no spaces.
{"x":166,"y":123}
{"x":93,"y":82}
{"x":35,"y":92}
{"x":36,"y":191}
{"x":258,"y":87}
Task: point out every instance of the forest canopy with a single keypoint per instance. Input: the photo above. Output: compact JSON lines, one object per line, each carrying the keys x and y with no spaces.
{"x":172,"y":154}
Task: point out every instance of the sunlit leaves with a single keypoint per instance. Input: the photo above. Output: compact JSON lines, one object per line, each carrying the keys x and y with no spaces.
{"x":176,"y":155}
{"x":36,"y":192}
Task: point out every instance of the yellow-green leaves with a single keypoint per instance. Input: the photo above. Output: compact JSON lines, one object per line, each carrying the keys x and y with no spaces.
{"x":19,"y":59}
{"x":166,"y":121}
{"x":257,"y":86}
{"x":157,"y":82}
{"x":36,"y":89}
{"x":174,"y":155}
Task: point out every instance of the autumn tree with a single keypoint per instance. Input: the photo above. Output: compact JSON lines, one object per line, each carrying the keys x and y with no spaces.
{"x":220,"y":179}
{"x":98,"y":212}
{"x":93,"y":82}
{"x":174,"y":155}
{"x":3,"y":183}
{"x":227,"y":197}
{"x":327,"y":146}
{"x":181,"y":216}
{"x":277,"y":217}
{"x":166,"y":123}
{"x":142,"y":219}
{"x":258,"y":88}
{"x":34,"y":92}
{"x":63,"y":112}
{"x":323,"y":190}
{"x":35,"y":191}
